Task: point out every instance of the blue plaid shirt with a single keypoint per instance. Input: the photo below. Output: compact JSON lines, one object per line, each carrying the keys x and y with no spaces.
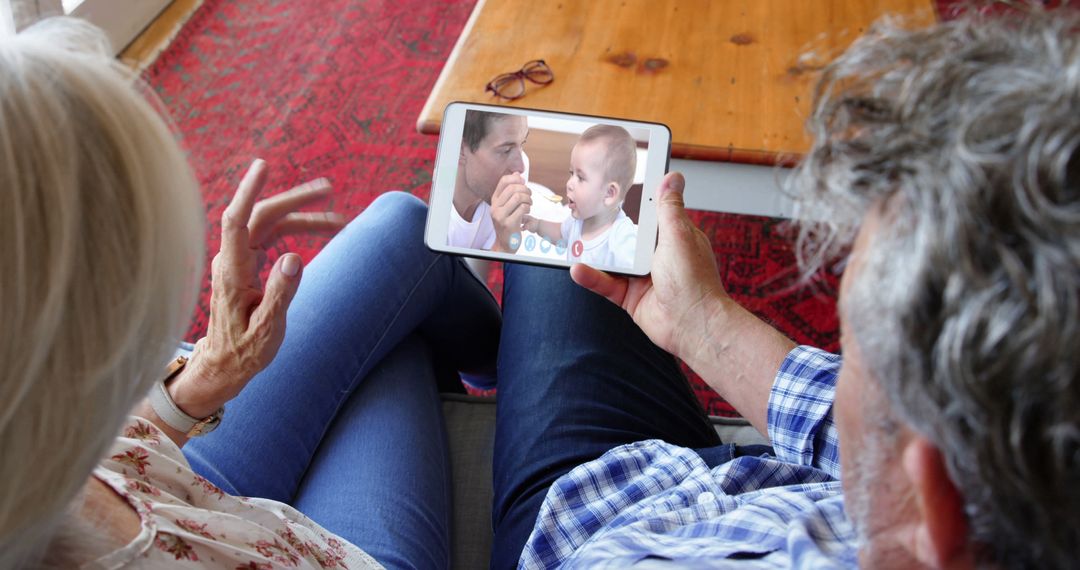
{"x":659,"y":503}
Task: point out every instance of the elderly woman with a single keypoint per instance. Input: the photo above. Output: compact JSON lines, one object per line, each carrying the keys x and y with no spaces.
{"x":338,"y":417}
{"x":100,"y":225}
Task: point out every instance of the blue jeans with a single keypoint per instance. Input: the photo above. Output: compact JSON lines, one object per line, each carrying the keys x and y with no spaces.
{"x":577,"y":378}
{"x":346,"y":423}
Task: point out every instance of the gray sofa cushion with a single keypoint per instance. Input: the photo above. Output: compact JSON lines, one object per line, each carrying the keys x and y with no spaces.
{"x":470,"y":427}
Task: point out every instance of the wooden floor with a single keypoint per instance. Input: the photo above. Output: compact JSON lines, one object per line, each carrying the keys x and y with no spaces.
{"x":157,"y":36}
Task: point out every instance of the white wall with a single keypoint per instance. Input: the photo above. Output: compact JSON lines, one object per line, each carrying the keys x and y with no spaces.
{"x":122,"y":20}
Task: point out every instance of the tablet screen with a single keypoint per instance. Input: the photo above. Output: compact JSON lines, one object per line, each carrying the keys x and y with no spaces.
{"x":547,"y":188}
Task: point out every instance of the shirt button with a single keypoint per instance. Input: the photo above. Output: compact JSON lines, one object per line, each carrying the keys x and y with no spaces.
{"x":706,"y":497}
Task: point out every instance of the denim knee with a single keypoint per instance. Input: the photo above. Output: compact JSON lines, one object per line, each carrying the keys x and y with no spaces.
{"x":399,"y":206}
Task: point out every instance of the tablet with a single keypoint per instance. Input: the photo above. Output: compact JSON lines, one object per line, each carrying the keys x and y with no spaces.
{"x":548,"y":188}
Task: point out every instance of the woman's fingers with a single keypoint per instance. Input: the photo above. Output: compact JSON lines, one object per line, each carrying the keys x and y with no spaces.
{"x":235,"y":219}
{"x":268,"y":318}
{"x":299,"y":223}
{"x":269,"y":212}
{"x":247,"y":320}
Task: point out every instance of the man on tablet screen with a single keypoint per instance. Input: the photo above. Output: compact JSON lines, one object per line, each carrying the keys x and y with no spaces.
{"x":490,"y":159}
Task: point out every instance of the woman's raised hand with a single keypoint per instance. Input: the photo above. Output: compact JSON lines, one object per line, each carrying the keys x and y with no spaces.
{"x":247,"y":321}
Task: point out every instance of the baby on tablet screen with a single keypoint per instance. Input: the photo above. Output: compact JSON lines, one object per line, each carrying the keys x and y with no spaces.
{"x":602,"y":165}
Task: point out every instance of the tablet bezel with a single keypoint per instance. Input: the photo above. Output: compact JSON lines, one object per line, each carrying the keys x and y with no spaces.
{"x":445,"y":173}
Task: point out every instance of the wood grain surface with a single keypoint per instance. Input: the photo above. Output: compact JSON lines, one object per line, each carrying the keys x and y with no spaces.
{"x":728,"y":76}
{"x":148,"y":45}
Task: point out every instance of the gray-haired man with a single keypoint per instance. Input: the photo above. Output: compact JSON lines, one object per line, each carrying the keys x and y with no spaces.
{"x":948,"y":159}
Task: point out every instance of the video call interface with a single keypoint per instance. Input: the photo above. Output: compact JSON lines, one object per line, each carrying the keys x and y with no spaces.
{"x":549,"y":188}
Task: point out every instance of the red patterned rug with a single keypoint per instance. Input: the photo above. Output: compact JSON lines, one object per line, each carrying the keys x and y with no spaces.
{"x":333,"y":88}
{"x":329,"y":88}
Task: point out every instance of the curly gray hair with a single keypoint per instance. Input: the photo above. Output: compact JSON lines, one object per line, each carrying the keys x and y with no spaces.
{"x":964,"y":138}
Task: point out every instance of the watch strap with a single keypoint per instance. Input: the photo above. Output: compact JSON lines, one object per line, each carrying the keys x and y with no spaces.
{"x":166,"y":409}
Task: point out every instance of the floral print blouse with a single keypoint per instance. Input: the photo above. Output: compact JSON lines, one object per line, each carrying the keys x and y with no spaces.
{"x":188,"y":522}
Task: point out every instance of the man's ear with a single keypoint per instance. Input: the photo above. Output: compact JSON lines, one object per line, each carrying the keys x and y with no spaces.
{"x":461,"y":156}
{"x":941,"y":534}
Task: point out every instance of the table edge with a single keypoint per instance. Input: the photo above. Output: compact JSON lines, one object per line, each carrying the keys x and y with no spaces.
{"x":444,"y":74}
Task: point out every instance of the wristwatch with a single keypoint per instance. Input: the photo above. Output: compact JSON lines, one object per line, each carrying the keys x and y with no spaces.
{"x":171,"y":414}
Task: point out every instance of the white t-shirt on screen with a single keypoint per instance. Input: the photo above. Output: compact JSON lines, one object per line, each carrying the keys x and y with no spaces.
{"x":613,"y":248}
{"x":478,"y":233}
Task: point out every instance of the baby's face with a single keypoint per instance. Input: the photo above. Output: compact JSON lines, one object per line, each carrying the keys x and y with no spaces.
{"x":587,"y":188}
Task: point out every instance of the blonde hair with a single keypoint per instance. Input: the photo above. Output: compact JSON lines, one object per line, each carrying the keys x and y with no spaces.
{"x":620,"y":160}
{"x":101,"y":238}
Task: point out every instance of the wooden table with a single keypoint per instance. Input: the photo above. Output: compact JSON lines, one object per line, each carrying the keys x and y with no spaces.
{"x":723,"y":74}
